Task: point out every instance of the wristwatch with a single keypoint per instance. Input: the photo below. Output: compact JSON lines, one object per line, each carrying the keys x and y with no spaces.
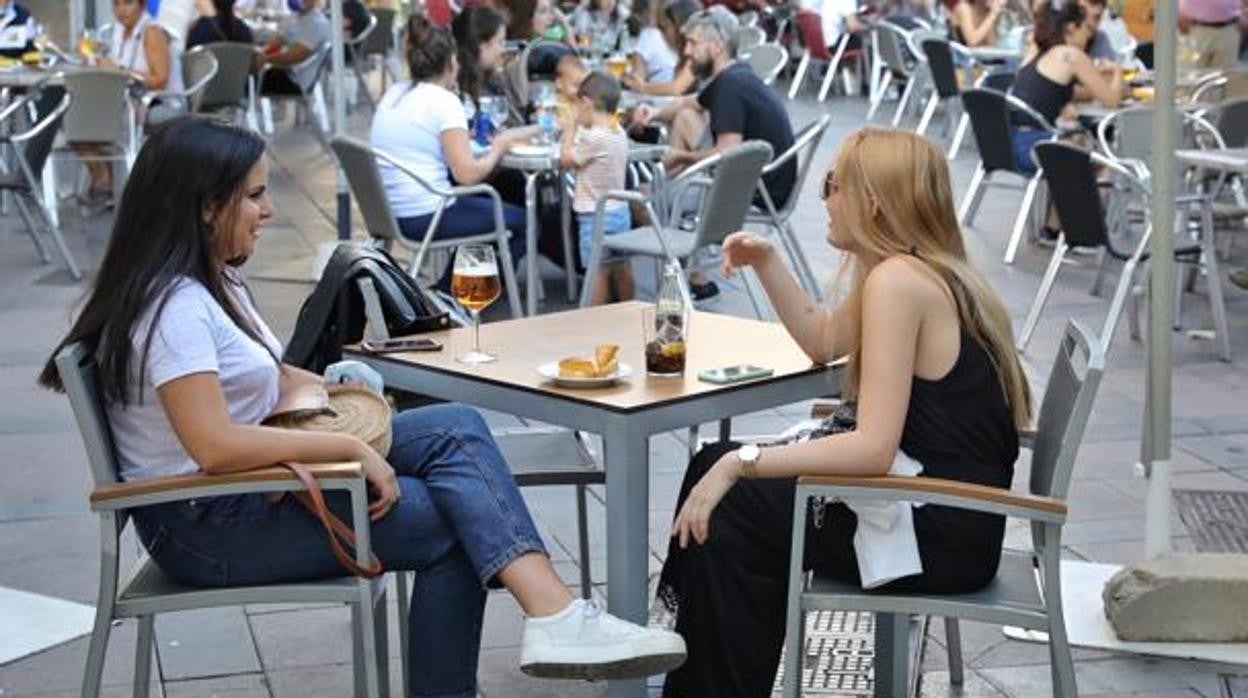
{"x":749,"y":455}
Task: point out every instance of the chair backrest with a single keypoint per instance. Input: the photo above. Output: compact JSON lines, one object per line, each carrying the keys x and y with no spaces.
{"x":1231,"y":119}
{"x":100,"y":110}
{"x":199,"y":69}
{"x":76,"y":367}
{"x":749,"y":37}
{"x":359,"y":163}
{"x":749,"y":18}
{"x":1072,"y":182}
{"x":810,"y":29}
{"x":999,"y":80}
{"x":805,"y":144}
{"x":944,"y":72}
{"x":356,"y":42}
{"x":1064,"y":411}
{"x":990,"y":123}
{"x":731,"y":193}
{"x":1127,"y":134}
{"x":381,"y":39}
{"x":228,"y":88}
{"x":37,"y":141}
{"x":766,"y":60}
{"x":319,"y":59}
{"x":891,"y":42}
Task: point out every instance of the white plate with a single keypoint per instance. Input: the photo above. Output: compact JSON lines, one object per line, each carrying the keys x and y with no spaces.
{"x":532,"y":150}
{"x":551,"y":371}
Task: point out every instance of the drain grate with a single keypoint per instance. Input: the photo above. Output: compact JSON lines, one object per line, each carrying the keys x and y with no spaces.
{"x":1216,"y":520}
{"x":839,"y":653}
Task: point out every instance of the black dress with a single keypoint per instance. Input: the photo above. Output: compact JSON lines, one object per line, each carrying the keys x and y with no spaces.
{"x":729,"y":595}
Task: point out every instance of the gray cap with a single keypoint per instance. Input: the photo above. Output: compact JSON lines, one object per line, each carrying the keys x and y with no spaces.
{"x":721,"y":21}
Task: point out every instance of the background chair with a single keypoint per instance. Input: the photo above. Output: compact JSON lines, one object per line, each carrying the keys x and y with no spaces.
{"x":311,"y":96}
{"x":729,"y":179}
{"x":942,"y":67}
{"x":148,"y":591}
{"x":1027,"y":590}
{"x":199,"y":67}
{"x":810,"y":30}
{"x":766,"y":60}
{"x":356,"y":57}
{"x":359,"y":163}
{"x":805,"y":144}
{"x":891,"y":64}
{"x":379,"y":46}
{"x":102,"y":115}
{"x":991,"y":113}
{"x":31,"y":149}
{"x":232,"y":87}
{"x":749,"y":37}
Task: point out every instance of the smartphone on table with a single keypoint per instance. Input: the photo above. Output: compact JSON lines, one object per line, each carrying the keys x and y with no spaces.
{"x":733,"y":374}
{"x":389,"y":346}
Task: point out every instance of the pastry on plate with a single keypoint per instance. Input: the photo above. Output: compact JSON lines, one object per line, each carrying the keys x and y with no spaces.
{"x":604,"y":364}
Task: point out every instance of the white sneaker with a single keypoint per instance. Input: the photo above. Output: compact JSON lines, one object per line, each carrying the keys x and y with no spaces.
{"x":585,"y":642}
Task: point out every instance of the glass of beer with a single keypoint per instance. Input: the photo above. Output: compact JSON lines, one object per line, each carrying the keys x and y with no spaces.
{"x":475,"y":284}
{"x":617,"y":65}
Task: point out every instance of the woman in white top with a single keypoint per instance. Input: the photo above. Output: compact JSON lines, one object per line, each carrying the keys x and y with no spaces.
{"x":670,"y":22}
{"x":654,"y":59}
{"x":188,"y":370}
{"x":143,"y":48}
{"x":421,"y":123}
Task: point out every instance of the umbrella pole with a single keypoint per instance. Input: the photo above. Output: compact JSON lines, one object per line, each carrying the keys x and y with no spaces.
{"x":338,"y":67}
{"x":1155,"y":446}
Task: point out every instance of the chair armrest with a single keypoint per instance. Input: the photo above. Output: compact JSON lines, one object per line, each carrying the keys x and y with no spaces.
{"x":1027,"y":438}
{"x":125,"y":495}
{"x":928,"y":490}
{"x":18,"y":104}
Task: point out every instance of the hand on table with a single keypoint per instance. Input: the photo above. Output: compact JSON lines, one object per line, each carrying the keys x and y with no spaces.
{"x":504,"y":140}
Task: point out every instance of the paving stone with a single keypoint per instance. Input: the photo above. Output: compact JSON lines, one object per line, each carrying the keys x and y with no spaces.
{"x":236,"y":686}
{"x":206,"y":642}
{"x":60,"y":669}
{"x":935,"y":684}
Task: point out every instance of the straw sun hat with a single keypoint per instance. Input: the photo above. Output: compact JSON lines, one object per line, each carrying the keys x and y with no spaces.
{"x":352,"y":410}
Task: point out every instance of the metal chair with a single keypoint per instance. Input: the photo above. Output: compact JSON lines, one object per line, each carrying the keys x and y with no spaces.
{"x":148,"y":591}
{"x":810,"y":30}
{"x":199,"y":67}
{"x":891,"y":63}
{"x":311,"y":96}
{"x":356,"y":56}
{"x":805,"y":144}
{"x":1027,"y":590}
{"x":31,"y":149}
{"x":766,"y":60}
{"x":749,"y":37}
{"x":232,"y":87}
{"x":990,"y":113}
{"x":101,"y":114}
{"x":359,"y":163}
{"x":380,"y":44}
{"x":943,"y":70}
{"x":729,"y":178}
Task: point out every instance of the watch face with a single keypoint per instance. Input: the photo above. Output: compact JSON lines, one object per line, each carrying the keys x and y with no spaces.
{"x":749,"y":452}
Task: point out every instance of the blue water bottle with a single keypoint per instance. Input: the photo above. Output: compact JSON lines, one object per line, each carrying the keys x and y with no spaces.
{"x":482,"y":129}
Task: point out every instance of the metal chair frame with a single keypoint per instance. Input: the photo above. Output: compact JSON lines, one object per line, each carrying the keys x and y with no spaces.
{"x":945,"y":88}
{"x":195,"y":78}
{"x":818,"y":52}
{"x":357,"y":56}
{"x":767,"y":61}
{"x":233,"y":87}
{"x":889,"y":65}
{"x":311,"y":97}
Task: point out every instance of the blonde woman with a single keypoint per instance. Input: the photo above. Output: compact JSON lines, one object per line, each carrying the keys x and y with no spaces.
{"x":932,"y":368}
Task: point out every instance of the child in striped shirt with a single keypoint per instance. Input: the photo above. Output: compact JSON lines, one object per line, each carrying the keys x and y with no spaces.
{"x":596,"y":147}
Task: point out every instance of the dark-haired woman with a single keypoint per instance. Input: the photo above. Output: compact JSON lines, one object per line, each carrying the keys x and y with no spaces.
{"x":669,"y":22}
{"x":221,"y":25}
{"x":1048,"y":82}
{"x":421,"y":122}
{"x":189,"y":369}
{"x":480,"y":38}
{"x":654,"y":59}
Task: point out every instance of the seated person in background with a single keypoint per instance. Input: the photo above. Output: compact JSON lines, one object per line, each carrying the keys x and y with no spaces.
{"x":974,"y":22}
{"x":653,"y":59}
{"x":218,"y":23}
{"x":570,"y":71}
{"x":655,"y":44}
{"x":596,"y":147}
{"x":734,"y":106}
{"x":354,"y":18}
{"x":840,"y":17}
{"x":597,"y":24}
{"x":1099,"y":47}
{"x":301,"y":35}
{"x":1214,"y":29}
{"x":17,"y":29}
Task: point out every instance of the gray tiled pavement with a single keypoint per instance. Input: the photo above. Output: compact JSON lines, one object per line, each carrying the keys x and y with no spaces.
{"x":48,"y":539}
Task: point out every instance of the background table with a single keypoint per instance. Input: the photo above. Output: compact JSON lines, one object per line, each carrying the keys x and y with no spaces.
{"x":625,"y":414}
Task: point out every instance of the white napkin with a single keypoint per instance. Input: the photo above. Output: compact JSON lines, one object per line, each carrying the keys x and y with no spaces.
{"x":885,"y":542}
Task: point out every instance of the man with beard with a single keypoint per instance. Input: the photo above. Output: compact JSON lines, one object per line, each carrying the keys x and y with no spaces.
{"x":739,"y":106}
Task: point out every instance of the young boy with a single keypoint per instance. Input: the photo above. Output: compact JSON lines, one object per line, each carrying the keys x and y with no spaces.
{"x":570,"y":71}
{"x":596,"y":147}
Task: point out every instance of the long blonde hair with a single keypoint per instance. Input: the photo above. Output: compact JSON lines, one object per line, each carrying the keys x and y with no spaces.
{"x":896,"y":197}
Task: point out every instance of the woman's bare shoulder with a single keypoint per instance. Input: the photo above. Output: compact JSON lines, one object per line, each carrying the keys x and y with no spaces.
{"x":905,"y":277}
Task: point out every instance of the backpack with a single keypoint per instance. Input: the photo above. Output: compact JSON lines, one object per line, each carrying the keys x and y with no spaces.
{"x":333,"y":315}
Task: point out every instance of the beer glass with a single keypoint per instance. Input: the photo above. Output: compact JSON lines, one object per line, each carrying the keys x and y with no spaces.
{"x":617,"y":65}
{"x":475,"y":284}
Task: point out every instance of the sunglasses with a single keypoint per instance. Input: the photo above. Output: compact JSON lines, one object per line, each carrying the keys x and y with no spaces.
{"x":830,"y":186}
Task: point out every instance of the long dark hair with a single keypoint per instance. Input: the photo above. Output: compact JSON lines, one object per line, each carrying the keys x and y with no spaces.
{"x":227,"y":24}
{"x":1051,"y":23}
{"x":520,"y":18}
{"x":677,"y":13}
{"x":187,"y":167}
{"x":476,"y":25}
{"x":429,"y":49}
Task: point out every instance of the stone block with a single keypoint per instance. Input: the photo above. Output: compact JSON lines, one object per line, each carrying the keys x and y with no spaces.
{"x":1191,"y":597}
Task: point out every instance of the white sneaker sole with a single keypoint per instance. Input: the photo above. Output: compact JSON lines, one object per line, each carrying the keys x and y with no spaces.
{"x":630,"y":668}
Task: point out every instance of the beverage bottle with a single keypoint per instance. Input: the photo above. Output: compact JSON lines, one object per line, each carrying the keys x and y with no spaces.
{"x":671,"y":307}
{"x":481,"y":128}
{"x":546,"y":121}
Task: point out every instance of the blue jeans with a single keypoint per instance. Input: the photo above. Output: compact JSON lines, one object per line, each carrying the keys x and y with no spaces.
{"x":470,"y":215}
{"x":614,"y":220}
{"x":458,"y":521}
{"x":1024,"y":140}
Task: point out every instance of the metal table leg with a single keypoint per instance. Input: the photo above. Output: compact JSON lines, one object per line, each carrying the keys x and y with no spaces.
{"x":627,"y":459}
{"x":531,"y":231}
{"x":892,"y":649}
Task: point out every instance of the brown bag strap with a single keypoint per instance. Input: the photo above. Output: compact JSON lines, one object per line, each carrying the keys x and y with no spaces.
{"x":341,"y":537}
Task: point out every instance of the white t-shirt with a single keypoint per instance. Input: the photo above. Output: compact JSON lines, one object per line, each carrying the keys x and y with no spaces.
{"x":832,"y":14}
{"x":193,"y":335}
{"x":312,"y":31}
{"x":408,"y":126}
{"x":659,"y":57}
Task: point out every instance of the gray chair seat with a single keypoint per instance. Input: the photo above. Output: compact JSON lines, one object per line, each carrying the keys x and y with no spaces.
{"x":643,"y":241}
{"x":11,"y":181}
{"x":1015,"y":587}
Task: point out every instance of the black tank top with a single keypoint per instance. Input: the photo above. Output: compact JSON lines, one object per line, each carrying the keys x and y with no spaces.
{"x":1041,"y":93}
{"x":960,"y":427}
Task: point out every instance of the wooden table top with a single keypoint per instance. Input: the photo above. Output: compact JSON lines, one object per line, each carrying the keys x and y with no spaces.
{"x":523,"y":344}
